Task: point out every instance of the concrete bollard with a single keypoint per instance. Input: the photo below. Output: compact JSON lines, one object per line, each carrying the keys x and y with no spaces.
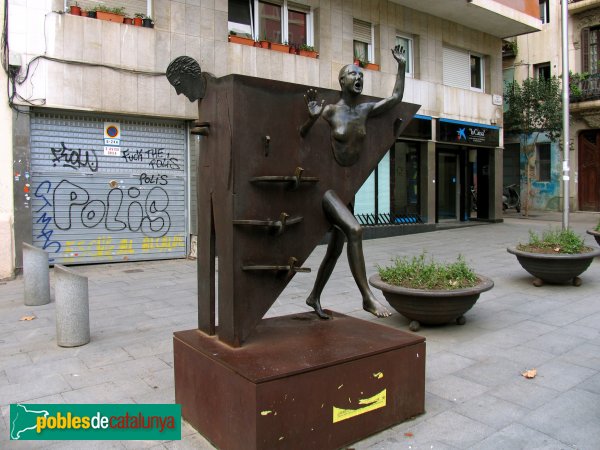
{"x":36,"y":276}
{"x":72,"y":307}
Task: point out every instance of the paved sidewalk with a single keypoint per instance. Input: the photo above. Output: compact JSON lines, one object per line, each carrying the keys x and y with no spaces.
{"x":475,"y":394}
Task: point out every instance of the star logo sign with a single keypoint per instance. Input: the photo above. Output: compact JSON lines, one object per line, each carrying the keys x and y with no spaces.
{"x":461,"y":134}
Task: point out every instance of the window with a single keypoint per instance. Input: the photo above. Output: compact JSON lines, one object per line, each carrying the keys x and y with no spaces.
{"x":269,"y":22}
{"x":407,"y":44}
{"x":542,"y":71}
{"x":476,"y":72}
{"x":543,"y":160}
{"x":590,"y":37}
{"x":363,"y":41}
{"x":274,"y":20}
{"x":462,"y":69}
{"x":240,"y":17}
{"x":545,"y":11}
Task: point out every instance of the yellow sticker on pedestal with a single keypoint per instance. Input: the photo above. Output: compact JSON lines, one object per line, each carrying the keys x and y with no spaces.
{"x":371,"y":404}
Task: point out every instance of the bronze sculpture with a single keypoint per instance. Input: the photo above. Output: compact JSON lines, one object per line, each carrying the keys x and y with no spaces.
{"x":186,"y":77}
{"x":259,"y":181}
{"x":347,"y":119}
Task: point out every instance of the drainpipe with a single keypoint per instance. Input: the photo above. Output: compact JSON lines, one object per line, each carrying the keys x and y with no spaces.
{"x":565,"y":111}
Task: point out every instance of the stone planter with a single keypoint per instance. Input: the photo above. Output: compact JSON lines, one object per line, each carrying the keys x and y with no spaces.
{"x":596,"y":235}
{"x":431,"y":307}
{"x":554,"y":268}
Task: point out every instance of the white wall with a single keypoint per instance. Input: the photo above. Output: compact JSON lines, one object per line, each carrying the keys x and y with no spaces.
{"x":199,"y":29}
{"x":6,"y":184}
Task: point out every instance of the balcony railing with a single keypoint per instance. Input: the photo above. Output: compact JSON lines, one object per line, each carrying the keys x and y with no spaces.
{"x":585,"y":89}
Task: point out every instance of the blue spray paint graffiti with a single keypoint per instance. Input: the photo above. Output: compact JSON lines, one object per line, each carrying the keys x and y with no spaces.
{"x":46,"y":233}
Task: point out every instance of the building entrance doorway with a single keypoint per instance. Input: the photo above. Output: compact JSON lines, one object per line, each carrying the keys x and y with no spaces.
{"x":448,"y":187}
{"x":589,"y":171}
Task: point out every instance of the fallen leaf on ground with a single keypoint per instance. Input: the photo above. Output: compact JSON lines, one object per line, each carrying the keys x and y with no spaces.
{"x":531,"y":373}
{"x":408,"y":434}
{"x":27,"y":318}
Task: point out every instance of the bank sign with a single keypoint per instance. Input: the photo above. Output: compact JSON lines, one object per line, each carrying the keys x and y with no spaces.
{"x":468,"y":133}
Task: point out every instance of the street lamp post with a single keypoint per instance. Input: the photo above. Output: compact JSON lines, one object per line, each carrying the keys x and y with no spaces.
{"x":565,"y":111}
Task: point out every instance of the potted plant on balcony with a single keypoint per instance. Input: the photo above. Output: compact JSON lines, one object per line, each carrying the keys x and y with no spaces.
{"x":240,"y":39}
{"x":308,"y":51}
{"x":137,"y":19}
{"x":147,"y":22}
{"x":558,"y":256}
{"x":75,"y":9}
{"x":262,"y":42}
{"x":283,"y":48}
{"x":430,"y":293}
{"x":110,"y":14}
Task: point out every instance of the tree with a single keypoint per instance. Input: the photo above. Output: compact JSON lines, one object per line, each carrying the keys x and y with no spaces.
{"x":534,"y":109}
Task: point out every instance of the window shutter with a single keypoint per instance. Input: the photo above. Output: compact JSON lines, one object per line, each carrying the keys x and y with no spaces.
{"x":456,"y":68}
{"x":362,"y":31}
{"x":585,"y":50}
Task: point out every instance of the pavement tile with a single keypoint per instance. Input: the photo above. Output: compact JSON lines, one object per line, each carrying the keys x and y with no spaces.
{"x":492,"y":411}
{"x":455,"y":389}
{"x":115,"y":371}
{"x":592,"y":321}
{"x":585,"y":355}
{"x":592,"y":384}
{"x":40,"y":387}
{"x":444,"y":363}
{"x":29,"y":372}
{"x":562,"y":376}
{"x":524,"y":392}
{"x":518,"y":437}
{"x":449,"y":428}
{"x":492,"y":372}
{"x":578,"y":414}
{"x":555,"y":342}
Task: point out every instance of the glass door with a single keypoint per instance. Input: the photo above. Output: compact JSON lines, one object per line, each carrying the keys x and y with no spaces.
{"x":448,"y":201}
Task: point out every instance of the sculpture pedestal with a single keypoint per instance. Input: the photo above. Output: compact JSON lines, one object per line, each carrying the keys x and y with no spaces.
{"x":300,"y":382}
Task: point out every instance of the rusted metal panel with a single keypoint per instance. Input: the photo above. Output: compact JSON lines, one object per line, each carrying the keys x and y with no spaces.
{"x":300,"y":382}
{"x":254,"y":132}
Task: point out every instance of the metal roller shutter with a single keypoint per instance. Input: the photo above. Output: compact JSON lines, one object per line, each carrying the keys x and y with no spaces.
{"x":89,"y":206}
{"x":456,"y":68}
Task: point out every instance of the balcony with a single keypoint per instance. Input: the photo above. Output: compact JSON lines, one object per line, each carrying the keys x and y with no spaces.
{"x":494,"y":17}
{"x":579,"y":6}
{"x":585,"y":90}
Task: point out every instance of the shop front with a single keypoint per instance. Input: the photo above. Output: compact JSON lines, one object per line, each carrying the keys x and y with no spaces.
{"x":468,"y":171}
{"x":392,"y":193}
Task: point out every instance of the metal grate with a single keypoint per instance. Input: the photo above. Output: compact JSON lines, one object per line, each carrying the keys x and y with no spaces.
{"x":388,"y":219}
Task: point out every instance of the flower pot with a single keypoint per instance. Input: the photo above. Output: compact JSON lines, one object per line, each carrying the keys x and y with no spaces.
{"x":371,"y":66}
{"x":109,"y":16}
{"x":283,"y":48}
{"x":75,"y":10}
{"x":147,"y":23}
{"x":431,"y":307}
{"x":137,"y":21}
{"x":262,"y":44}
{"x":555,"y":268}
{"x":596,"y":235}
{"x":241,"y":40}
{"x":91,"y":14}
{"x":308,"y":53}
{"x":128,"y":21}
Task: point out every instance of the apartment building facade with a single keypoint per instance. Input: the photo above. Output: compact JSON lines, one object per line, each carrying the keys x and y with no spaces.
{"x":101,"y":155}
{"x":539,"y":55}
